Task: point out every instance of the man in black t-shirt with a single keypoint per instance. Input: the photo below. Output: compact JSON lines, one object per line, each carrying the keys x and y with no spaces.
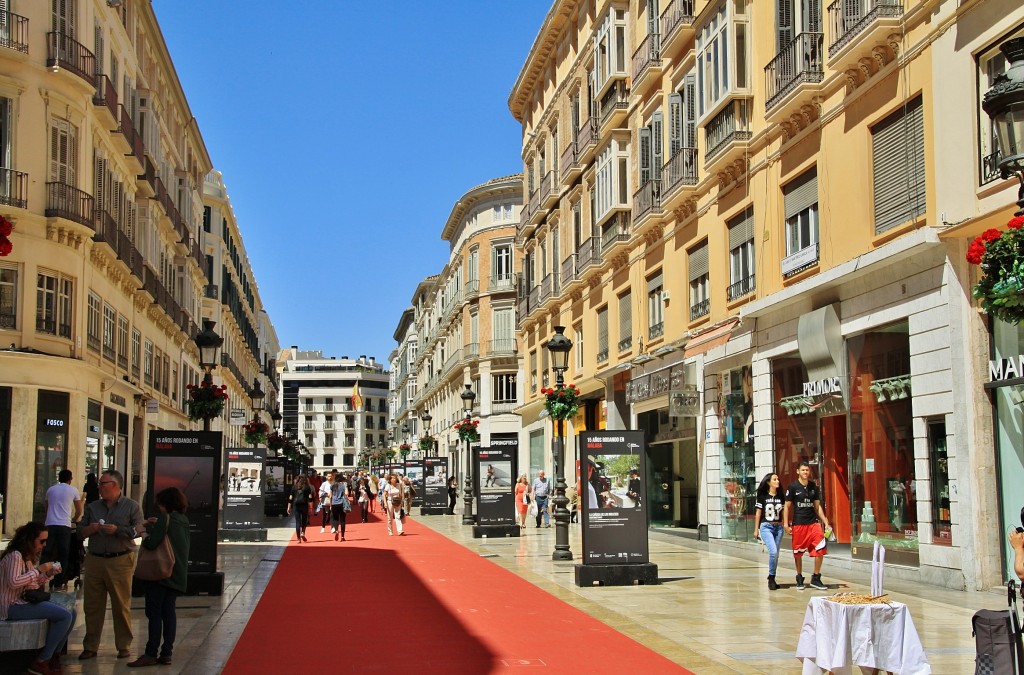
{"x":803,"y":510}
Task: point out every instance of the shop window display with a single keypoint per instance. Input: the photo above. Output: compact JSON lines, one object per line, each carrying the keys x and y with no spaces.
{"x":739,"y":482}
{"x":882,"y":481}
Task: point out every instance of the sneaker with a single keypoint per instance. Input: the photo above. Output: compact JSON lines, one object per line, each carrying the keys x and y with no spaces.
{"x":816,"y":583}
{"x":799,"y":583}
{"x":772,"y":586}
{"x":322,"y":530}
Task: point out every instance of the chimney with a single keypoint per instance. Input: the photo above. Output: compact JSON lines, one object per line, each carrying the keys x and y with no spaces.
{"x":373,"y":360}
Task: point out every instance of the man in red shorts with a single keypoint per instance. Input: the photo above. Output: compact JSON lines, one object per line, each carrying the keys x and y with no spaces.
{"x":803,"y":510}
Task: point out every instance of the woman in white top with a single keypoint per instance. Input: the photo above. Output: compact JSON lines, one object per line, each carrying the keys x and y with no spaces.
{"x":393,"y":494}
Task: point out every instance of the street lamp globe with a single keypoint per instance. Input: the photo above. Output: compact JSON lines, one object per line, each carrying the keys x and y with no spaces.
{"x":1004,"y":103}
{"x":559,"y":347}
{"x":467,"y":399}
{"x":426,"y":420}
{"x":209,"y":344}
{"x":257,"y":395}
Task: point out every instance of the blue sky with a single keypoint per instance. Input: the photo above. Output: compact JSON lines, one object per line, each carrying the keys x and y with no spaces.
{"x":345,"y":132}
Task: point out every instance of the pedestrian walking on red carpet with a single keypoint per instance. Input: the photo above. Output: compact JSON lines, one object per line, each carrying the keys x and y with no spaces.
{"x":393,"y":503}
{"x":340,"y":506}
{"x":522,"y":499}
{"x":162,"y":596}
{"x":408,"y":492}
{"x":298,"y":503}
{"x":324,"y":501}
{"x":364,"y":498}
{"x":374,"y":488}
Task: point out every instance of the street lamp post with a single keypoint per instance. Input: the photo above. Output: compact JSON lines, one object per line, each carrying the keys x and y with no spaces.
{"x":1004,"y":103}
{"x":467,"y":406}
{"x":559,"y":347}
{"x":426,"y":426}
{"x":256,"y":395}
{"x":209,"y":344}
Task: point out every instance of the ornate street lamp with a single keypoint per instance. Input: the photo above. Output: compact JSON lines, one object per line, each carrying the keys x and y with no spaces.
{"x":1004,"y":103}
{"x":209,"y":344}
{"x":257,"y":396}
{"x":467,"y":406}
{"x":559,"y":347}
{"x":426,"y":428}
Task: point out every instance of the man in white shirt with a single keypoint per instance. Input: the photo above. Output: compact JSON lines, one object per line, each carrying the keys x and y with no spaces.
{"x":324,"y":498}
{"x":63,"y":507}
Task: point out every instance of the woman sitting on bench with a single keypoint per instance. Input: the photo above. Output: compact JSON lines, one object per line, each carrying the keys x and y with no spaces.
{"x":20,"y":572}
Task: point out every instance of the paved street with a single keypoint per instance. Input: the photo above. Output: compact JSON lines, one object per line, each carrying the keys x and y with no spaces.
{"x":712,"y":612}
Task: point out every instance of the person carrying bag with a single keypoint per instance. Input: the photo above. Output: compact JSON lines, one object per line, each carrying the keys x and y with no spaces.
{"x":340,"y":505}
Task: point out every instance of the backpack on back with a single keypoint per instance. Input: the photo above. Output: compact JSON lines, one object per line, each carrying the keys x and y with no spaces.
{"x":997,"y":639}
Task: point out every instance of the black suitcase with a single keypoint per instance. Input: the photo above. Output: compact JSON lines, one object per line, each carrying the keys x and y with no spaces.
{"x":997,"y":638}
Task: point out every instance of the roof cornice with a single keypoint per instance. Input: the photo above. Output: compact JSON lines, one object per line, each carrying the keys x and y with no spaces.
{"x":543,"y":45}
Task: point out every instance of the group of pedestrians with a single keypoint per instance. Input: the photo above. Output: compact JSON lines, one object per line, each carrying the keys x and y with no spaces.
{"x":111,"y":524}
{"x":333,"y":498}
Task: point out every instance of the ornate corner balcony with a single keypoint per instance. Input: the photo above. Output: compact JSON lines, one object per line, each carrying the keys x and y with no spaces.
{"x":70,"y":203}
{"x":70,"y":55}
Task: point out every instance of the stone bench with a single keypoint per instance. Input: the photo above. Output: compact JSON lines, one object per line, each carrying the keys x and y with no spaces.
{"x":19,"y":635}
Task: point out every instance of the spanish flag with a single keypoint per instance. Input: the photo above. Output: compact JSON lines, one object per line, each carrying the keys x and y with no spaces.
{"x":357,"y":399}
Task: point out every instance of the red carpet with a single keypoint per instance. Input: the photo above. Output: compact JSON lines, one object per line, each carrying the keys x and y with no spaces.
{"x":419,"y":602}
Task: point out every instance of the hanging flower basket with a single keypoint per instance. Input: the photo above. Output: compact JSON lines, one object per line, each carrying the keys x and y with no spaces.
{"x":467,"y":430}
{"x":390,"y":454}
{"x":256,"y":432}
{"x":1000,"y":254}
{"x":426,"y":444}
{"x":275,"y":441}
{"x":562,"y":402}
{"x":5,"y":231}
{"x":206,"y":400}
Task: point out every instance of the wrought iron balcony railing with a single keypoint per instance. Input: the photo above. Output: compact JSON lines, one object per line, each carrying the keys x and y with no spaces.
{"x":647,"y":199}
{"x":70,"y":203}
{"x":680,"y":170}
{"x":13,"y":188}
{"x":646,"y":56}
{"x":849,"y":18}
{"x":742,"y":287}
{"x":70,"y":54}
{"x":14,"y":32}
{"x":802,"y":60}
{"x":702,"y":308}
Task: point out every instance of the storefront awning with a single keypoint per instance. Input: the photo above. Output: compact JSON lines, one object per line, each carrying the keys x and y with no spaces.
{"x":710,"y":339}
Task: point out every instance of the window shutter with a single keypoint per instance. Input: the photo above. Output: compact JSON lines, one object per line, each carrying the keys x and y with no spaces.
{"x":626,"y":315}
{"x":100,"y":183}
{"x":699,"y":261}
{"x":675,"y":124}
{"x":812,"y":16}
{"x":645,"y":155}
{"x":784,"y":22}
{"x":690,"y":135}
{"x":658,"y":144}
{"x":741,"y":229}
{"x":602,"y":329}
{"x":898,"y":167}
{"x":801,"y":193}
{"x":652,"y":17}
{"x":654,"y":282}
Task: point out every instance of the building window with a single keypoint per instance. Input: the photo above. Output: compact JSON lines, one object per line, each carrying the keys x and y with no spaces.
{"x":602,"y":334}
{"x":626,"y":321}
{"x":53,"y":304}
{"x":741,"y":255}
{"x":897,"y":154}
{"x":109,"y":332}
{"x":533,"y":372}
{"x":8,"y":297}
{"x":350,"y":440}
{"x":328,"y":440}
{"x":610,"y":47}
{"x":501,"y":267}
{"x":504,"y":388}
{"x":136,"y":354}
{"x":122,"y":342}
{"x":92,"y":329}
{"x":991,"y":64}
{"x":611,"y":189}
{"x":158,"y":370}
{"x":578,"y":345}
{"x":722,"y":56}
{"x":147,"y":364}
{"x":801,"y":206}
{"x":165,"y":387}
{"x":700,"y":301}
{"x":328,"y":459}
{"x":655,"y":306}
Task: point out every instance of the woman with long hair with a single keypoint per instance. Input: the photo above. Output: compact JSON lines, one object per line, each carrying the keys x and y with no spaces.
{"x":364,"y":498}
{"x":298,"y":502}
{"x":162,"y":596}
{"x":340,"y":506}
{"x":20,"y":571}
{"x":768,"y":522}
{"x":394,"y":494}
{"x":453,"y":493}
{"x":522,"y":505}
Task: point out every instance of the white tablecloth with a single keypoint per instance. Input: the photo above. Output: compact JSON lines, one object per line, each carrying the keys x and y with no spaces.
{"x":836,"y":637}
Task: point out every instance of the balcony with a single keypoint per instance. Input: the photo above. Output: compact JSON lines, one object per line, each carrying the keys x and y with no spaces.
{"x":569,"y":274}
{"x":647,"y":201}
{"x":571,"y":168}
{"x":602,"y":350}
{"x":678,"y":172}
{"x":501,"y":346}
{"x":726,"y":134}
{"x":532,"y":300}
{"x":14,"y":32}
{"x":13,"y":188}
{"x":588,"y":255}
{"x":656,"y":330}
{"x":131,"y":140}
{"x":614,"y":106}
{"x":614,"y":231}
{"x":501,"y":282}
{"x":536,"y":212}
{"x":676,"y":24}
{"x":106,"y":229}
{"x":859,"y":25}
{"x":71,"y":55}
{"x":547,"y":287}
{"x":548,"y":191}
{"x":586,"y":141}
{"x":791,"y":78}
{"x":625,"y":344}
{"x":70,"y":203}
{"x":105,"y":100}
{"x":702,"y":308}
{"x":741,"y":288}
{"x":646,"y":62}
{"x":472,"y":350}
{"x":472,"y":288}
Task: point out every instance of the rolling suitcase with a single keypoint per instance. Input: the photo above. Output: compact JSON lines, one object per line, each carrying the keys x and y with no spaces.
{"x":997,"y":638}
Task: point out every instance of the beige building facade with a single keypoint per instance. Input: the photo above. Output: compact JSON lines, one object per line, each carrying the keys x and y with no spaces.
{"x":743,"y":213}
{"x":102,"y":172}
